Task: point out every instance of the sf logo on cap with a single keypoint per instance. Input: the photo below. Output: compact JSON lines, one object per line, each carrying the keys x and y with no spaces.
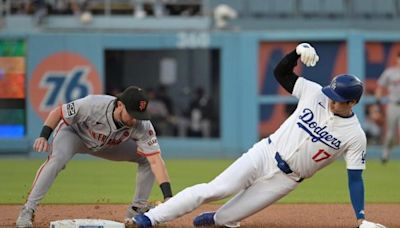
{"x":142,"y":105}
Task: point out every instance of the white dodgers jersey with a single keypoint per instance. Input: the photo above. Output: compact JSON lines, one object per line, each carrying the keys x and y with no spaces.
{"x":91,"y":118}
{"x":313,"y":137}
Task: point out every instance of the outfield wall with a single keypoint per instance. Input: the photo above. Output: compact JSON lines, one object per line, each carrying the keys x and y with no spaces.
{"x":251,"y":103}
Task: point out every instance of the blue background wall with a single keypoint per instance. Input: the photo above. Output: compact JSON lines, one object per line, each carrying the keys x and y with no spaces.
{"x":242,"y":100}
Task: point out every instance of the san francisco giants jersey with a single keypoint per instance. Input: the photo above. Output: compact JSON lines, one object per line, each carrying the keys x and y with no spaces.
{"x":91,"y":118}
{"x":390,"y":79}
{"x":313,"y":137}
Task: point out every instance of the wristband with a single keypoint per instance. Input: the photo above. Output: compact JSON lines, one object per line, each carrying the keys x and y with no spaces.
{"x":46,"y":132}
{"x":166,"y":190}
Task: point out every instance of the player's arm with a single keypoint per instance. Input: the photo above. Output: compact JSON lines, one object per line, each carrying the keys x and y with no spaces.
{"x":356,"y":189}
{"x":379,"y":92}
{"x":148,"y":146}
{"x":355,"y":162}
{"x":159,"y":169}
{"x":51,"y":122}
{"x":284,"y":70}
{"x":382,"y":84}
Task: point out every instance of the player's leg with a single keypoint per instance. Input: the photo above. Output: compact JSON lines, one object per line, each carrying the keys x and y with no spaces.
{"x":391,"y":129}
{"x":239,"y":175}
{"x":126,"y":151}
{"x":64,"y":145}
{"x":258,"y":196}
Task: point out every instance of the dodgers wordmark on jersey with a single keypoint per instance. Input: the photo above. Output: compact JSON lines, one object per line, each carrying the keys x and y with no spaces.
{"x":313,"y":137}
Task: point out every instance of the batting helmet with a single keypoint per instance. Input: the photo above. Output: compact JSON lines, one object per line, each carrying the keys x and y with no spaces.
{"x":344,"y":87}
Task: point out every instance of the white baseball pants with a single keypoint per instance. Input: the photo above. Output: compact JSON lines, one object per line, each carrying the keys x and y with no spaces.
{"x":254,"y":178}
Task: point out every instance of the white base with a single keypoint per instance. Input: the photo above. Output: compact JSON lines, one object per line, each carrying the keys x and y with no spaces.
{"x":86,"y":223}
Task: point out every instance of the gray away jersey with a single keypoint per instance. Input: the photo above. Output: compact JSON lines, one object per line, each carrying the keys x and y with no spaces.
{"x":92,"y":119}
{"x":390,"y":78}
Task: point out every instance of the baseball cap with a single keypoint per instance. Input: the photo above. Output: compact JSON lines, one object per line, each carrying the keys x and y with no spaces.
{"x":344,"y":88}
{"x":135,"y":100}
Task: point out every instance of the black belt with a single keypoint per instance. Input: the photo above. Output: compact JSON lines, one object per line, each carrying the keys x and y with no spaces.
{"x":282,"y":164}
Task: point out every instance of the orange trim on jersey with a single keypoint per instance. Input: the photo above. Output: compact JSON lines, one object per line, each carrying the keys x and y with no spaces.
{"x":42,"y":166}
{"x":141,"y":153}
{"x":37,"y":176}
{"x":58,"y":130}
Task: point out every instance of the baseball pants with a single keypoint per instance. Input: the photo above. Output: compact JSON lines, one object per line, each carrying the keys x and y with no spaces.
{"x":254,"y":178}
{"x":66,"y":144}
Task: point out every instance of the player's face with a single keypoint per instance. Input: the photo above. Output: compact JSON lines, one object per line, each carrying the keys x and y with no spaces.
{"x":341,"y":108}
{"x":127,"y":119}
{"x":123,"y":116}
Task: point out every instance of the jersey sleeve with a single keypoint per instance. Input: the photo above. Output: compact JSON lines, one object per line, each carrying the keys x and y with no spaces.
{"x":355,"y":155}
{"x":147,"y":144}
{"x":305,"y":89}
{"x":77,"y":110}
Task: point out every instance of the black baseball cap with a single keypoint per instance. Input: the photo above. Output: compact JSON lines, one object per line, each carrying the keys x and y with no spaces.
{"x":135,"y":100}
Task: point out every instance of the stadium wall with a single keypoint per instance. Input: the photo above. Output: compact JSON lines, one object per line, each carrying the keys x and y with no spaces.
{"x":247,"y":106}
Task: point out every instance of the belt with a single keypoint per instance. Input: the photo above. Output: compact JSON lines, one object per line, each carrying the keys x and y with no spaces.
{"x":282,"y":164}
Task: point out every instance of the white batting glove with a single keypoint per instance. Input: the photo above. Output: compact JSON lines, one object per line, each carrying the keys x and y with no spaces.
{"x":308,"y":55}
{"x":367,"y":224}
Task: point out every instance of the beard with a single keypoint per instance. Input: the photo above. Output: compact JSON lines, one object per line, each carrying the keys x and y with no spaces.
{"x":120,"y":123}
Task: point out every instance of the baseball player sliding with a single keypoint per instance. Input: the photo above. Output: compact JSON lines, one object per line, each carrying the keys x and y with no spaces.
{"x":114,"y":128}
{"x":322,"y":128}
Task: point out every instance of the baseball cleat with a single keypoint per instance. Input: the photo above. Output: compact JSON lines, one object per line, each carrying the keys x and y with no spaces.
{"x":141,"y":221}
{"x":134,"y":210}
{"x":25,"y":218}
{"x":232,"y":224}
{"x":204,"y":219}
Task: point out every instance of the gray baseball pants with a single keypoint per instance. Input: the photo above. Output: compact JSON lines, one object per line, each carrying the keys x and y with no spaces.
{"x":66,"y":144}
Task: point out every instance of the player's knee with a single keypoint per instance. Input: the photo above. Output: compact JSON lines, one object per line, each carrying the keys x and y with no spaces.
{"x":56,"y":165}
{"x":201,"y":191}
{"x":217,"y":192}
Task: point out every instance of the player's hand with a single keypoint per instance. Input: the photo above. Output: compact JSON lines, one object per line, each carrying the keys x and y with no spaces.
{"x":41,"y":145}
{"x":367,"y":224}
{"x":308,"y":55}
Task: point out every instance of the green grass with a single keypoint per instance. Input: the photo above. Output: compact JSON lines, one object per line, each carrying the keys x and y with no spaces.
{"x":100,"y":181}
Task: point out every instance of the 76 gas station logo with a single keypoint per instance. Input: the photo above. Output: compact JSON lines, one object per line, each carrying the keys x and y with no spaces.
{"x":63,"y":87}
{"x":60,"y":78}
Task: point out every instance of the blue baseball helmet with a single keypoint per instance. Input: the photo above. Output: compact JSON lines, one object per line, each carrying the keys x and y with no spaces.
{"x":343,"y":88}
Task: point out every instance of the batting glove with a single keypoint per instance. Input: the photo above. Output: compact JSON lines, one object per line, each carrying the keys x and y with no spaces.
{"x":367,"y":224}
{"x":308,"y":55}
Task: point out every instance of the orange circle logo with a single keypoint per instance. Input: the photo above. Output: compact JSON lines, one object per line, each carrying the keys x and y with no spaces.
{"x":61,"y":78}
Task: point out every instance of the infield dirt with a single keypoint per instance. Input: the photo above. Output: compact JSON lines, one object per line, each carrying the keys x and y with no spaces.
{"x":277,"y":215}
